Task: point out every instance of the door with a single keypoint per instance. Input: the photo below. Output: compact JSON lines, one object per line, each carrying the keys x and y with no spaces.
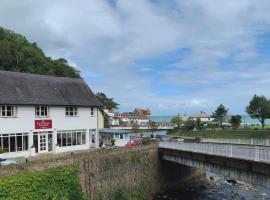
{"x":43,"y":142}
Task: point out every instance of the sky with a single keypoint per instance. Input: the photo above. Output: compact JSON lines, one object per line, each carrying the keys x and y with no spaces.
{"x":172,"y":56}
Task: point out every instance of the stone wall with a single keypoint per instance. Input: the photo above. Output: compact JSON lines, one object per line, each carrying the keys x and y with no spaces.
{"x":135,"y":170}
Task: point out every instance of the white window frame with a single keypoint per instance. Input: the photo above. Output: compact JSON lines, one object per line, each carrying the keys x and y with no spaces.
{"x":14,"y":135}
{"x":92,"y":111}
{"x":71,"y":112}
{"x":6,"y":110}
{"x":38,"y":111}
{"x":80,"y":137}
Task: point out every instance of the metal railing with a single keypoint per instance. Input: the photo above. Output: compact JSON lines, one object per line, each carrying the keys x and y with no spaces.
{"x":249,"y":152}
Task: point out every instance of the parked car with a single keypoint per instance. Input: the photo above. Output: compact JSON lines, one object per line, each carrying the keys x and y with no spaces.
{"x":7,"y":161}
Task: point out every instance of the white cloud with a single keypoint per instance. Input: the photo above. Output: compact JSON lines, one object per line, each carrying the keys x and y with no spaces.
{"x":105,"y":38}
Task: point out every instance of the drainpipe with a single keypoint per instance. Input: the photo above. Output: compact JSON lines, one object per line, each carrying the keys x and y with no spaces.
{"x":97,"y":131}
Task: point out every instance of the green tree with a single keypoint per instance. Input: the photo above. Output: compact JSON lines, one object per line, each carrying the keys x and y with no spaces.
{"x":220,"y":114}
{"x":177,"y":120}
{"x":259,"y":108}
{"x":198,"y":124}
{"x":18,"y":54}
{"x":109,"y":103}
{"x":235,"y":121}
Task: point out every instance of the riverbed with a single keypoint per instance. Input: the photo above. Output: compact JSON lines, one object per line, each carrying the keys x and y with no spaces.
{"x":218,"y":189}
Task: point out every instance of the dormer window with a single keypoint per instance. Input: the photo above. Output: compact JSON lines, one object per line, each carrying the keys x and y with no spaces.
{"x":41,"y":111}
{"x":7,"y":111}
{"x":71,"y":111}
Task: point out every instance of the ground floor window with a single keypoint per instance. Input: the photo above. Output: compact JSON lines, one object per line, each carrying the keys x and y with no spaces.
{"x":71,"y":138}
{"x":14,"y":142}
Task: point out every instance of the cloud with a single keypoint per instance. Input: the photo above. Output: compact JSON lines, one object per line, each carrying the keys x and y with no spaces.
{"x":209,"y":52}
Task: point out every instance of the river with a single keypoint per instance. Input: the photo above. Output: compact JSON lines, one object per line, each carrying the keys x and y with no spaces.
{"x":220,"y":190}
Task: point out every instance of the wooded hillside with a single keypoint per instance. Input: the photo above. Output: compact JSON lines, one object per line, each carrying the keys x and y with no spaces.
{"x":18,"y":54}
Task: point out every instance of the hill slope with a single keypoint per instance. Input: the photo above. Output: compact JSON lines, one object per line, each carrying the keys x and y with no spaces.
{"x":18,"y":54}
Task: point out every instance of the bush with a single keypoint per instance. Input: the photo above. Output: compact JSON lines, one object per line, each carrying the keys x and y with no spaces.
{"x":146,"y":141}
{"x":120,"y":195}
{"x":60,"y":183}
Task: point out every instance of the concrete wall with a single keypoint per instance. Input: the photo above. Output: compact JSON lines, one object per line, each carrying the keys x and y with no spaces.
{"x":256,"y":173}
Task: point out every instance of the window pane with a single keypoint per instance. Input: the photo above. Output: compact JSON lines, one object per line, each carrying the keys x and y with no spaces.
{"x":79,"y":138}
{"x":5,"y":144}
{"x":12,"y":144}
{"x":64,"y":138}
{"x":69,"y":138}
{"x":73,"y":138}
{"x":25,"y":142}
{"x":59,"y":139}
{"x":19,"y":142}
{"x":83,"y":138}
{"x":35,"y":138}
{"x":50,"y":142}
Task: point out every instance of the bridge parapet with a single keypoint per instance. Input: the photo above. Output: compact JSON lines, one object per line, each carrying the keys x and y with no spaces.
{"x":248,"y":152}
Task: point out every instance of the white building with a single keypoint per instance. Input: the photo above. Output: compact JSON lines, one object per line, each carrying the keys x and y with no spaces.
{"x":203,"y":116}
{"x":51,"y":114}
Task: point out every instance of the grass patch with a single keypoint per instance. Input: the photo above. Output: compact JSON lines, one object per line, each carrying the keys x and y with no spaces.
{"x":221,"y":133}
{"x":61,"y":183}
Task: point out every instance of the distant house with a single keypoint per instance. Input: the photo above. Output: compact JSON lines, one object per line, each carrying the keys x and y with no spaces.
{"x":203,"y":116}
{"x":51,"y":114}
{"x":142,"y":112}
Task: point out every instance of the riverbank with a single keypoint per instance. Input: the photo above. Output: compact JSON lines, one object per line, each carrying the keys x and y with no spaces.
{"x":241,"y":134}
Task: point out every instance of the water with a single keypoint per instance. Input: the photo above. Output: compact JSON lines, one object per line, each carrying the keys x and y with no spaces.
{"x":245,"y":119}
{"x":218,"y":191}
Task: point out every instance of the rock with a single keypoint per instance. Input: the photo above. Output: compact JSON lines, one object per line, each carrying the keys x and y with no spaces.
{"x":246,"y":186}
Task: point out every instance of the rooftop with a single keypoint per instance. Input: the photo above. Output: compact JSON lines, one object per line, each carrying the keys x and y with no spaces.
{"x":30,"y":89}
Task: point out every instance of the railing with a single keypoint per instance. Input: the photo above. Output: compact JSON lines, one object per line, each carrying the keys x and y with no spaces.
{"x":249,"y":152}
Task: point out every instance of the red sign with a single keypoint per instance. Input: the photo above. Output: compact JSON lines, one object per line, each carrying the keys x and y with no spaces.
{"x":43,"y":124}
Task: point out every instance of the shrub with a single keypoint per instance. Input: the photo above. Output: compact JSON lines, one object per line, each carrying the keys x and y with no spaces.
{"x":146,"y":141}
{"x":61,"y":183}
{"x":120,"y":195}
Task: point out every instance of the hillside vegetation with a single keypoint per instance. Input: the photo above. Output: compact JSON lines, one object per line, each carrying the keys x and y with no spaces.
{"x":18,"y":54}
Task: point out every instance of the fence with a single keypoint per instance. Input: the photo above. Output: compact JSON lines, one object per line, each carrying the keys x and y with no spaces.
{"x":249,"y":152}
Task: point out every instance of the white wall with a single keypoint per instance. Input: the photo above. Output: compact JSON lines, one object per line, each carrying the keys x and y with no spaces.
{"x":25,"y":120}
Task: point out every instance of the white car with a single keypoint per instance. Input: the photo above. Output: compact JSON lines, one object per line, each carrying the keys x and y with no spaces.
{"x":7,"y":162}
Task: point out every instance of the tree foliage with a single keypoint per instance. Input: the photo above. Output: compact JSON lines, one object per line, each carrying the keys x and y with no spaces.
{"x":235,"y":121}
{"x":259,"y":108}
{"x":177,"y":120}
{"x":220,"y":114}
{"x":109,"y":103}
{"x":18,"y":54}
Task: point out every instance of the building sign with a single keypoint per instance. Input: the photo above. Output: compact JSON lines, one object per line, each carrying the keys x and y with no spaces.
{"x":43,"y":124}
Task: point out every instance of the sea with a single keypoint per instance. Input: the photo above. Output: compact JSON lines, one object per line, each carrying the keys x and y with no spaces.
{"x":245,"y":119}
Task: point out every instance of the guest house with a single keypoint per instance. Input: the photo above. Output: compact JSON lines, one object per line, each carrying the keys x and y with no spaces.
{"x":43,"y":114}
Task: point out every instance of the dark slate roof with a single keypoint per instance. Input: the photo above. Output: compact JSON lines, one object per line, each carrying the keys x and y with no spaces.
{"x":31,"y":89}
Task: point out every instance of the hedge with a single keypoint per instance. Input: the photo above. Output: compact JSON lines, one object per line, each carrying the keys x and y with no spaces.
{"x":61,"y":183}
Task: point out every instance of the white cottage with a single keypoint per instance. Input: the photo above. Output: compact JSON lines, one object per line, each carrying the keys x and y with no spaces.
{"x":40,"y":114}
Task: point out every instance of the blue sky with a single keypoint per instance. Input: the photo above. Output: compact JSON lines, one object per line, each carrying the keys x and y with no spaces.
{"x":170,"y":56}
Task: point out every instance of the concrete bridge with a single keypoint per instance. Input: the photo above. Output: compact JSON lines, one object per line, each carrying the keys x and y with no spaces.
{"x":248,"y":163}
